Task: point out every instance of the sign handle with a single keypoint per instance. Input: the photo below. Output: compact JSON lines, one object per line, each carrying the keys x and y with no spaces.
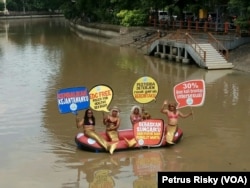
{"x":192,"y":112}
{"x":75,"y":112}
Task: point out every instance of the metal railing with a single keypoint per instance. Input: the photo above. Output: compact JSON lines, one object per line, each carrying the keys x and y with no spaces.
{"x":218,"y":46}
{"x":188,"y":38}
{"x":191,"y":41}
{"x":199,"y":26}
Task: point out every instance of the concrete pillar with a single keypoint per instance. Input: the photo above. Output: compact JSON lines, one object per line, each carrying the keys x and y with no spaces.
{"x":164,"y":52}
{"x":178,"y":57}
{"x":170,"y":55}
{"x":164,"y":49}
{"x":171,"y":50}
{"x":158,"y":53}
{"x":185,"y":59}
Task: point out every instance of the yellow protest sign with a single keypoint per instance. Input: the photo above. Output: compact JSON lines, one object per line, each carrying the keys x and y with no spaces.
{"x":145,"y":90}
{"x":100,"y":97}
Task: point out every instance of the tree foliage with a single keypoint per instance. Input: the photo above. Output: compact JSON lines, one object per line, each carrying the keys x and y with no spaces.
{"x":132,"y":17}
{"x":131,"y":12}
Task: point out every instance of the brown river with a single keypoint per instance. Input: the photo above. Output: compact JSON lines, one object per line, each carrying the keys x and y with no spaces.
{"x":40,"y":56}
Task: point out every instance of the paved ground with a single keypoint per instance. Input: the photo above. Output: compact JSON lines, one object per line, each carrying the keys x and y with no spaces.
{"x":240,"y":57}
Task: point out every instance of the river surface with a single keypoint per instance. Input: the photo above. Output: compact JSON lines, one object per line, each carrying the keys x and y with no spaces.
{"x":40,"y":56}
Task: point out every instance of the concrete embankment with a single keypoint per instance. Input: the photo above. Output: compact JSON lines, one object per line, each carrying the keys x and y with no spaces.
{"x":112,"y":34}
{"x":240,"y":57}
{"x":8,"y":17}
{"x":99,"y":30}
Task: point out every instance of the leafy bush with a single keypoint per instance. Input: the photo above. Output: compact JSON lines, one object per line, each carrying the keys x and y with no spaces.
{"x":131,"y":18}
{"x":244,"y":23}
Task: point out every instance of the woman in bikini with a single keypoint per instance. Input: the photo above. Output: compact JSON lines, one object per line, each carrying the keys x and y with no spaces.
{"x":88,"y":125}
{"x":172,"y":115}
{"x":112,"y":122}
{"x":136,"y":115}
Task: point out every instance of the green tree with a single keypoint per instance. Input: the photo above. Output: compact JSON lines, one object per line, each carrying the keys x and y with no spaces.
{"x":241,"y":9}
{"x":132,"y":18}
{"x":130,"y":12}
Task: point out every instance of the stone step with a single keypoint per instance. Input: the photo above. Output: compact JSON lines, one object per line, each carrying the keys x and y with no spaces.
{"x":220,"y":66}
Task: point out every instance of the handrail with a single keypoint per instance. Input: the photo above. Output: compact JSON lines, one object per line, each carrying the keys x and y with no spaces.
{"x":190,"y":40}
{"x":218,"y":45}
{"x":197,"y":26}
{"x":182,"y":36}
{"x":153,"y":39}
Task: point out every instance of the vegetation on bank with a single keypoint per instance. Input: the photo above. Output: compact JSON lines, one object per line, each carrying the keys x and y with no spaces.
{"x":132,"y":13}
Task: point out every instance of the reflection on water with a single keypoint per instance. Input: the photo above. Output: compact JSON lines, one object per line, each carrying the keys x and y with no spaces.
{"x":39,"y":57}
{"x":101,"y":171}
{"x":146,"y":165}
{"x":140,"y":168}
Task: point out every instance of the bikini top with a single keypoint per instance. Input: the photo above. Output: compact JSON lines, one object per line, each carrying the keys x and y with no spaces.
{"x":109,"y":121}
{"x":175,"y":116}
{"x":137,"y":118}
{"x":88,"y":122}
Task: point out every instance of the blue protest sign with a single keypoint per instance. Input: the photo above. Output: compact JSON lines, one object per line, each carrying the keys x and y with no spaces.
{"x":73,"y":99}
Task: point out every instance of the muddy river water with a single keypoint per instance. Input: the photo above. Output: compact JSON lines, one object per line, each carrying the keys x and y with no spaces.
{"x":40,"y":56}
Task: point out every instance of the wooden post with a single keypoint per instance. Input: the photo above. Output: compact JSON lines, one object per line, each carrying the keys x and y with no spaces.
{"x":196,"y":25}
{"x":238,"y":29}
{"x":189,"y":24}
{"x":205,"y":26}
{"x":226,"y":27}
{"x":181,"y":24}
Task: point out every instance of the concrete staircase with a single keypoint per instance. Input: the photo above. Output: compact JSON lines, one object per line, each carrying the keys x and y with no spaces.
{"x":204,"y":54}
{"x":214,"y":59}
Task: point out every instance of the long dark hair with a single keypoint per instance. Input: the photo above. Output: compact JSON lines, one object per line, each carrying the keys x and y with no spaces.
{"x":86,"y":118}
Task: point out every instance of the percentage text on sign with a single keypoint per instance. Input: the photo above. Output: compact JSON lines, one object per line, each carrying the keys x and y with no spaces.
{"x":190,"y":86}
